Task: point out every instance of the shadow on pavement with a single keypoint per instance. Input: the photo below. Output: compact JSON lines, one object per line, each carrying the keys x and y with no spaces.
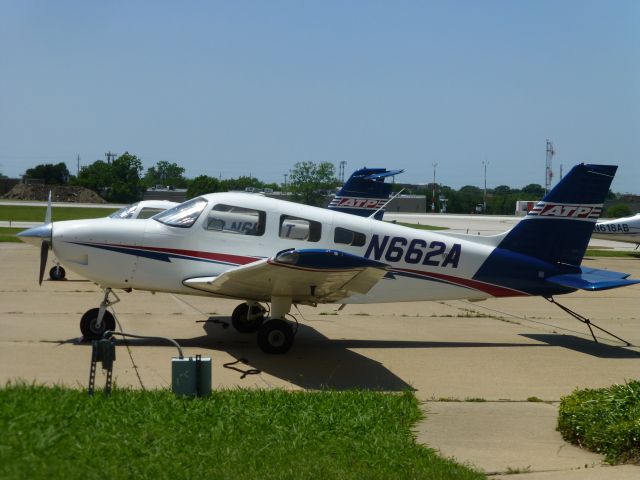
{"x":583,"y":345}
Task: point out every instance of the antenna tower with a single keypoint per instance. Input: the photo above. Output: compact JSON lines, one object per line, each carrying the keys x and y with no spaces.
{"x":341,"y":170}
{"x":548,"y":174}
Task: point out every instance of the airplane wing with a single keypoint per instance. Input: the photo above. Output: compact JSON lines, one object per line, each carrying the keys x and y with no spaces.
{"x":593,"y":279}
{"x":307,"y":276}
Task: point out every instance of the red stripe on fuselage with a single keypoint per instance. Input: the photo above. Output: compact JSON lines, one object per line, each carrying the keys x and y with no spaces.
{"x":493,"y":290}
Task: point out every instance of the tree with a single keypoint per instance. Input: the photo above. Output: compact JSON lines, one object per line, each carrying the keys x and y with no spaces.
{"x":165,"y":173}
{"x":96,"y":177}
{"x":115,"y":182}
{"x":126,"y":183}
{"x":309,"y":182}
{"x":201,"y":185}
{"x":619,"y":210}
{"x":57,"y":174}
{"x":533,"y":189}
{"x":240,"y":183}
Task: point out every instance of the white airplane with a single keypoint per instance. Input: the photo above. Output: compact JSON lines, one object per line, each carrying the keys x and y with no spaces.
{"x":297,"y":254}
{"x":625,"y":229}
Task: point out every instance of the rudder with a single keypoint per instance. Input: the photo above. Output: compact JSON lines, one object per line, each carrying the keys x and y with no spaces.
{"x":559,"y":227}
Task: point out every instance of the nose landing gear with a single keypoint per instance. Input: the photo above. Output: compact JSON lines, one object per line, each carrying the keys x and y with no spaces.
{"x":96,"y":321}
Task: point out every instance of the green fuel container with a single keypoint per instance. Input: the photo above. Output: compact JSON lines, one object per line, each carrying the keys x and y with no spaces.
{"x":191,"y":376}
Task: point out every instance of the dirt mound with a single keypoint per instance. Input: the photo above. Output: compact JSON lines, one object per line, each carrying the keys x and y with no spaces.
{"x":59,"y":193}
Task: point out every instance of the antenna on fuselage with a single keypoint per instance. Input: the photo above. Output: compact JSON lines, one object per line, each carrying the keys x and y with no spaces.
{"x":386,"y":203}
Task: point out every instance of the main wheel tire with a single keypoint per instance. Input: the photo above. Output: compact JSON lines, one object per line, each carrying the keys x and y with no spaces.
{"x":88,"y":324}
{"x":275,"y":336}
{"x":243,"y":324}
{"x":57,"y":273}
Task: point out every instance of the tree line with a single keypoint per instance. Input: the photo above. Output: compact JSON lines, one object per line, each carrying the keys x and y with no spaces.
{"x":124,"y":181}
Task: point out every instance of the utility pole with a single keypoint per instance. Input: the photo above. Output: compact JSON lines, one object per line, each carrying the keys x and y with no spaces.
{"x":285,"y":182}
{"x":78,"y":170}
{"x":484,"y":202}
{"x":433,"y":197}
{"x":110,"y":156}
{"x":548,"y":174}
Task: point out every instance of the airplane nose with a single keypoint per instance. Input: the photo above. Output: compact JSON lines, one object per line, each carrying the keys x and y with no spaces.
{"x":36,"y":235}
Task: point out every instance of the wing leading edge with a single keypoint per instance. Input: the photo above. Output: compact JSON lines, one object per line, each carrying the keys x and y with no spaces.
{"x":306,"y":276}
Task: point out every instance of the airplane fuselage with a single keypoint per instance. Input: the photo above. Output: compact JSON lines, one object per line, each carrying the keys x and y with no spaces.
{"x":151,"y":255}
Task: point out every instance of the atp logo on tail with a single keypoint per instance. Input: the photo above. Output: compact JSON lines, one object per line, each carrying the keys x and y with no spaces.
{"x":589,"y":213}
{"x":354,"y":202}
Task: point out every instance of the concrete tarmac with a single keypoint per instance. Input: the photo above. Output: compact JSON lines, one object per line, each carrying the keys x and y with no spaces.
{"x":476,"y":366}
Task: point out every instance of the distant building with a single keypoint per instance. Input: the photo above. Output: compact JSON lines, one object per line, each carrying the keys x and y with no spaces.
{"x":170,"y":193}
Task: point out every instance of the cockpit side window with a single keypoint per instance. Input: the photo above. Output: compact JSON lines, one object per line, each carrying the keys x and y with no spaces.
{"x":183,"y":215}
{"x":125,"y":212}
{"x":148,"y":212}
{"x":349,"y":237}
{"x":238,"y":220}
{"x":296,"y":228}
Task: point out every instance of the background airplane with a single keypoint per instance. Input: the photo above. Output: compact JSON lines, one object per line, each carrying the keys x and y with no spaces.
{"x":332,"y":258}
{"x":365,"y":193}
{"x":625,"y":229}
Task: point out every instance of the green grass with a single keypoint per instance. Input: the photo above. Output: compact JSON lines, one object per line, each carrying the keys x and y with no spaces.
{"x":612,"y":253}
{"x":420,"y":227}
{"x":605,"y":420}
{"x":9,"y":234}
{"x":262,"y":434}
{"x":24,"y":213}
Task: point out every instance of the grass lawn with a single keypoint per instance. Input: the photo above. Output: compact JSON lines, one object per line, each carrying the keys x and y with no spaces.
{"x":24,"y":213}
{"x":9,"y":234}
{"x":605,"y":420}
{"x":261,"y":434}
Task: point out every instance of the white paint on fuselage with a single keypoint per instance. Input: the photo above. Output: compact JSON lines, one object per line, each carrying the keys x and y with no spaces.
{"x":121,"y":270}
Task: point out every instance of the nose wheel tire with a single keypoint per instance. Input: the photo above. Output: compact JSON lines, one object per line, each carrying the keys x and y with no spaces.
{"x":57,"y":273}
{"x":275,"y":336}
{"x":245,"y":320}
{"x":88,"y":324}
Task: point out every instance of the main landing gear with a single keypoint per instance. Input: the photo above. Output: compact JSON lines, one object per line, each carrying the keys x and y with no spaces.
{"x":96,"y":321}
{"x":275,"y":334}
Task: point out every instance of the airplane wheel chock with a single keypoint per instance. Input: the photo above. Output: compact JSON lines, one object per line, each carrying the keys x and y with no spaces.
{"x":247,"y":319}
{"x":275,"y":336}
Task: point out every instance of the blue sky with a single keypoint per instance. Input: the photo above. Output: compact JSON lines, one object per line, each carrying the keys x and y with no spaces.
{"x":252,"y":87}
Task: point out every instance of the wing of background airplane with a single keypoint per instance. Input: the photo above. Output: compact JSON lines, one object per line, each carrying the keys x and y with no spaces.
{"x":306,"y":276}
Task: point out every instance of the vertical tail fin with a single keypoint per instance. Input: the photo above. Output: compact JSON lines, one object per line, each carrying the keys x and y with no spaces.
{"x":559,"y":227}
{"x":364,"y":192}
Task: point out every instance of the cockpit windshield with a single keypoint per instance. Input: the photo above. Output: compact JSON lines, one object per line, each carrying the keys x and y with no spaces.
{"x":125,"y":212}
{"x":183,"y":215}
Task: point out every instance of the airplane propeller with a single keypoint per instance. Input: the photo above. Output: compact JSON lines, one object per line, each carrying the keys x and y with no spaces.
{"x":44,"y":253}
{"x":42,"y":235}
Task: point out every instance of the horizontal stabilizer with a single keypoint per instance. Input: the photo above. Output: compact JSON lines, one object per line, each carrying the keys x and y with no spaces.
{"x":592,"y":279}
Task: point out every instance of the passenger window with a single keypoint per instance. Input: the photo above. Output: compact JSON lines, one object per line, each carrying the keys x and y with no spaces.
{"x":296,"y":228}
{"x":349,"y":237}
{"x":238,"y":220}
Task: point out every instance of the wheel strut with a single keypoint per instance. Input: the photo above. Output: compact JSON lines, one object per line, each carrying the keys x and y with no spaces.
{"x":106,"y":303}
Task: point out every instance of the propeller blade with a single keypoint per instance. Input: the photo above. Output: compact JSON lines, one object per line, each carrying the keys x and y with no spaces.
{"x":44,"y":253}
{"x":47,"y":215}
